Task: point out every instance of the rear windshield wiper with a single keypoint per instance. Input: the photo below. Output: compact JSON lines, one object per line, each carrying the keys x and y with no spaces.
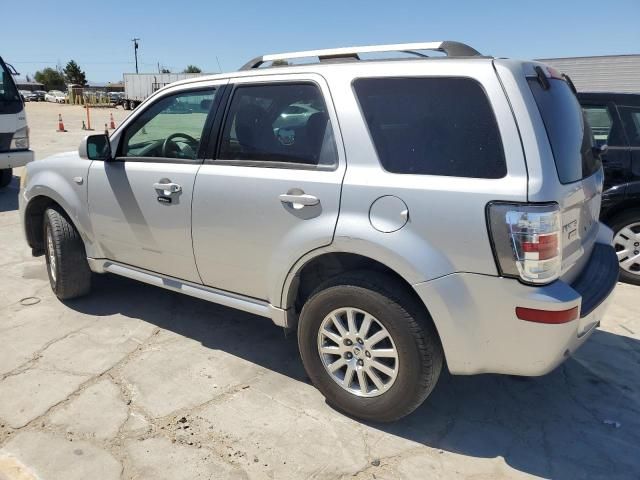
{"x":570,"y":83}
{"x":542,"y":78}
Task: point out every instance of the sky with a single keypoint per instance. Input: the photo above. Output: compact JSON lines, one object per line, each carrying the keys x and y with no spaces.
{"x":224,"y":35}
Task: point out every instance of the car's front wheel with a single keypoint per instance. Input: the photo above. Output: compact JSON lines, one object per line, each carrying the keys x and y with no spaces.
{"x":67,"y":266}
{"x":369,"y":347}
{"x":626,"y":240}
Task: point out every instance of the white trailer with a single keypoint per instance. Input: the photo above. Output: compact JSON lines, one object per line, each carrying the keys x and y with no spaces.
{"x":138,"y":86}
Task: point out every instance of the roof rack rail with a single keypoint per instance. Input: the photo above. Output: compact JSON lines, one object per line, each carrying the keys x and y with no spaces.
{"x":452,"y":49}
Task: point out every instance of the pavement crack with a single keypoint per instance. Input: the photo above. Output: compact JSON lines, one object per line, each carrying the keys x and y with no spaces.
{"x":37,"y":355}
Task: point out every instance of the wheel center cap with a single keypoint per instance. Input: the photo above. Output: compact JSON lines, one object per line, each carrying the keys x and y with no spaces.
{"x":357,"y":351}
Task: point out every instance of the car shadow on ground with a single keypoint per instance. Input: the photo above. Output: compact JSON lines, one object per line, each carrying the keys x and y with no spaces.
{"x":580,"y":421}
{"x":9,"y":196}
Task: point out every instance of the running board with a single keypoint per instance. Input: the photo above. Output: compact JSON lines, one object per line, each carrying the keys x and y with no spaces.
{"x":221,"y":297}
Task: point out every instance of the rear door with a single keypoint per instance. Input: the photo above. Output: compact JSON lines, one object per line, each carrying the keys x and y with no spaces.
{"x":140,"y":203}
{"x":270,"y":190}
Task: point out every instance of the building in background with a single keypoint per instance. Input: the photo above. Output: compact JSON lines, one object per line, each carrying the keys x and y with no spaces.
{"x":30,"y":86}
{"x":609,"y":73}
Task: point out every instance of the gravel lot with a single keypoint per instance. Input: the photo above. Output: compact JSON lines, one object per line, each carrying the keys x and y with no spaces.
{"x":135,"y":382}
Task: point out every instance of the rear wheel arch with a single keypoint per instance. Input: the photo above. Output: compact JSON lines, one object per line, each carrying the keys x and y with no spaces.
{"x":325,"y":266}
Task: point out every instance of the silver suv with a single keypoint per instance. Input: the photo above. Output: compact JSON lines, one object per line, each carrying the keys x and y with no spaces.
{"x":398,"y":212}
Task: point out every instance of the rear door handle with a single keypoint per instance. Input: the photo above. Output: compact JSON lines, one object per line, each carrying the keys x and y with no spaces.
{"x":168,"y":187}
{"x":300,"y":200}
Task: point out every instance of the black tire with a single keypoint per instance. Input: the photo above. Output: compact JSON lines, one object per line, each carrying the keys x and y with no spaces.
{"x":420,"y":355}
{"x":6,"y":175}
{"x":70,"y":276}
{"x":617,"y":223}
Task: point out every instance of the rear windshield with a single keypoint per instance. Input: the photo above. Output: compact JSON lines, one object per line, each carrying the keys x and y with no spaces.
{"x":432,"y":126}
{"x":569,"y":135}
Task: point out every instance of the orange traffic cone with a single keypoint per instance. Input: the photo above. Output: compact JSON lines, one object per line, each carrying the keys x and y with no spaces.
{"x":60,"y":124}
{"x":112,"y":123}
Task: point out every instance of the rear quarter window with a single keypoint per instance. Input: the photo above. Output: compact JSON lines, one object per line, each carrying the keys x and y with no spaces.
{"x":432,"y":126}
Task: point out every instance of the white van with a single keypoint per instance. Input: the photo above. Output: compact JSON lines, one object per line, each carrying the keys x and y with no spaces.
{"x":14,"y":132}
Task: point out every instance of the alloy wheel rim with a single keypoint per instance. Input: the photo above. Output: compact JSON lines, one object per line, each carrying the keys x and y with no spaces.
{"x":51,"y":255}
{"x":358,"y":352}
{"x":627,"y":245}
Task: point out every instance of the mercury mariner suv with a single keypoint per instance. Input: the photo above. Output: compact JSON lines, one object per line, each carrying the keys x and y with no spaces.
{"x":400,"y":210}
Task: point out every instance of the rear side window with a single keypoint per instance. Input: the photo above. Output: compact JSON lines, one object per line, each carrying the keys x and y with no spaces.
{"x":569,"y":135}
{"x":285,"y":124}
{"x":432,"y":126}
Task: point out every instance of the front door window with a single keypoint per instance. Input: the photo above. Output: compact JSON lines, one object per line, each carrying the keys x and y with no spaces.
{"x":171,"y":128}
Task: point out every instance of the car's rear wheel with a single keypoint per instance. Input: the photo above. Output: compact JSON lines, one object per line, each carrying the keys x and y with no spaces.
{"x":67,"y":266}
{"x":626,"y":240}
{"x":369,"y":347}
{"x":6,"y":175}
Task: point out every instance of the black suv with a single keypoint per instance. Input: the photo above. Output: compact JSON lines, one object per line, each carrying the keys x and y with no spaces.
{"x":615,"y":121}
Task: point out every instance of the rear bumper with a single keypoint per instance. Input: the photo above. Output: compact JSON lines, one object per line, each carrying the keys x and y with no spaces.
{"x":15,"y":159}
{"x":480,"y":333}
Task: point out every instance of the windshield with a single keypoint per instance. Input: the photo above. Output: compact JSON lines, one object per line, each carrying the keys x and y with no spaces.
{"x":569,"y":134}
{"x":10,"y":101}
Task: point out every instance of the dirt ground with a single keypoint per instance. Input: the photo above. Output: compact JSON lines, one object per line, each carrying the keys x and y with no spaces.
{"x":135,"y":382}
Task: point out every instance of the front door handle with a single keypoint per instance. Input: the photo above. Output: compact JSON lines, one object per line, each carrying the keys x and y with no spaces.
{"x":299,"y":200}
{"x":168,"y":187}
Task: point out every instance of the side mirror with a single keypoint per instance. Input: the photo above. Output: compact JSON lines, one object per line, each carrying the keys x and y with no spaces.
{"x":95,"y":147}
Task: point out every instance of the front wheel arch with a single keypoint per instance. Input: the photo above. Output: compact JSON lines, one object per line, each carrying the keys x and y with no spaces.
{"x":33,"y":221}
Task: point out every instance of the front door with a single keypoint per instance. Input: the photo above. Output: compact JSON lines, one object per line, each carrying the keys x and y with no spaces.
{"x":271,"y":192}
{"x":140,"y":202}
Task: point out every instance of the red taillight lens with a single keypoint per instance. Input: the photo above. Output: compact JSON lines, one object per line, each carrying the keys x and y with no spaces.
{"x":546,"y":247}
{"x":547,"y":316}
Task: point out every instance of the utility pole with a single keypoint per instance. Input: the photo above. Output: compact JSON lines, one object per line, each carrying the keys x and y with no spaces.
{"x":135,"y":50}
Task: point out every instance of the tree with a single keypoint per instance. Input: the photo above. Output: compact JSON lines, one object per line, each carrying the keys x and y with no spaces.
{"x":165,"y":70}
{"x":74,"y":74}
{"x":51,"y":78}
{"x":280,"y":63}
{"x":192,"y":69}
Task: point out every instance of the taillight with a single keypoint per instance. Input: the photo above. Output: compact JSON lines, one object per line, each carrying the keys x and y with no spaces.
{"x":526,"y":240}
